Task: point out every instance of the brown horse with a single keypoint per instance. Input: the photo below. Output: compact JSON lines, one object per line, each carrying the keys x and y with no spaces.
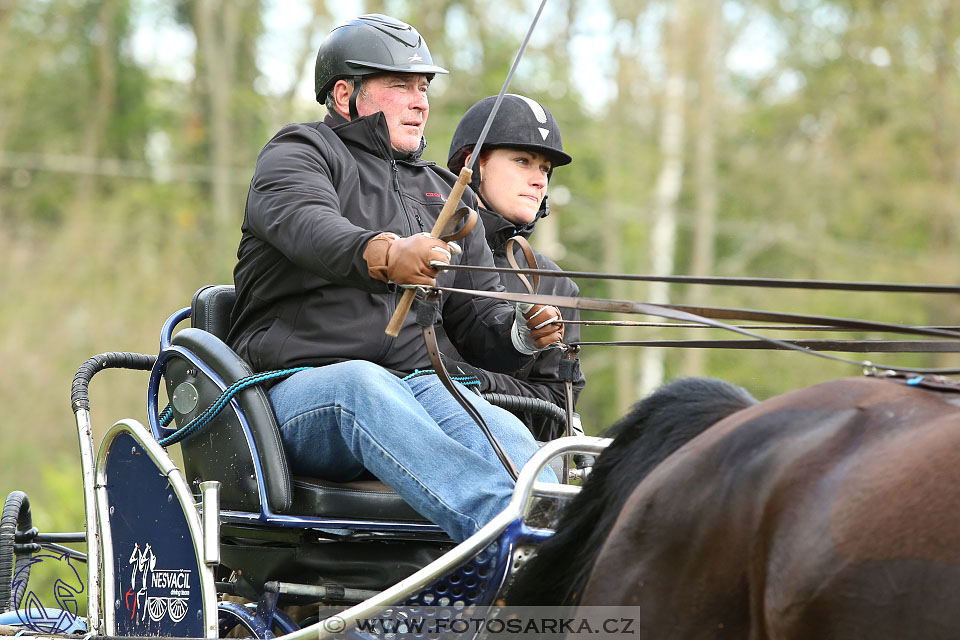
{"x":828,"y":512}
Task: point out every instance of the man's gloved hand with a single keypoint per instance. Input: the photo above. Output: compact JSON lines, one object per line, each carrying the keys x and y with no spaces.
{"x":406,"y":261}
{"x":536,"y":327}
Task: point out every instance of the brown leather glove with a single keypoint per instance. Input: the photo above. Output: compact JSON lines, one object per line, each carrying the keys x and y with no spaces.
{"x":545,"y":324}
{"x":405,"y":261}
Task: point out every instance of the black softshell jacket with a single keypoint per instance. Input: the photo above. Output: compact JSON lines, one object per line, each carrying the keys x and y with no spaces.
{"x":539,"y":378}
{"x":320,"y":192}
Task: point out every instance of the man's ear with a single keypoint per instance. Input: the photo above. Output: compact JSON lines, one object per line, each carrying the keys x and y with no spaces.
{"x":342,"y":91}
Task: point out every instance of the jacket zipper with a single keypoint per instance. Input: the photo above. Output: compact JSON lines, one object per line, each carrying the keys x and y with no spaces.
{"x":387,"y":343}
{"x":396,"y":187}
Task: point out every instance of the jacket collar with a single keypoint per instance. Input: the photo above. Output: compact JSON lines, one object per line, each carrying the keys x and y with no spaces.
{"x":371,"y":134}
{"x":498,"y":229}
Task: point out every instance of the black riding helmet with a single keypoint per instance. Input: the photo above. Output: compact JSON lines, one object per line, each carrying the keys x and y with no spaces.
{"x":520,"y":123}
{"x":370,"y":44}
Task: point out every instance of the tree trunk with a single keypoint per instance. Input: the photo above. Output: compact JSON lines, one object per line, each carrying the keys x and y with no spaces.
{"x":216,"y":30}
{"x":618,"y":174}
{"x":625,"y":370}
{"x":319,"y":14}
{"x":13,"y":87}
{"x":102,"y":108}
{"x":705,"y":168}
{"x":667,"y":192}
{"x":946,"y":226}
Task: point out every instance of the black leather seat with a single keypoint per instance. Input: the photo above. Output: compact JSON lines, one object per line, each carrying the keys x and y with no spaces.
{"x":222,"y":451}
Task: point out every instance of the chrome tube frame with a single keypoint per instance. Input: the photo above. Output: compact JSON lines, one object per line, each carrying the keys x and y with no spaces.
{"x":94,"y":609}
{"x":527,"y":486}
{"x":210,"y":513}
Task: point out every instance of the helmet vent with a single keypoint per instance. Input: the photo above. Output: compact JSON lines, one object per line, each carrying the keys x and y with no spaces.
{"x":400,"y":31}
{"x":537,"y":108}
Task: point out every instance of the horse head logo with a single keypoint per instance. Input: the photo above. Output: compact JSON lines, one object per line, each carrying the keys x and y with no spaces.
{"x":66,"y":591}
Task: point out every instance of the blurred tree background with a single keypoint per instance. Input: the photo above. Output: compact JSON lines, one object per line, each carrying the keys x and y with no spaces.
{"x":766,"y":138}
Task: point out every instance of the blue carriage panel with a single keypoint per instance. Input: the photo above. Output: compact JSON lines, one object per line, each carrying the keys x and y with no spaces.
{"x":469,"y":590}
{"x":155,"y":579}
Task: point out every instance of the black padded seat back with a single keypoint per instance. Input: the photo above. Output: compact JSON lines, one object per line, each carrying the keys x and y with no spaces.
{"x":212,"y":307}
{"x":221,"y":451}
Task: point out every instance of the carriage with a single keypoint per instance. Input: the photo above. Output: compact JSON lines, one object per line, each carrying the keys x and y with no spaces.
{"x":229,"y":541}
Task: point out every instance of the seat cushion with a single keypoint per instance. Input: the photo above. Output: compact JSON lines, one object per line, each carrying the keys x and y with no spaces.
{"x":362,"y":499}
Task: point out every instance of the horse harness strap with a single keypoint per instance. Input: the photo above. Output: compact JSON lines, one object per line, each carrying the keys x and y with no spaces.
{"x":930,"y":383}
{"x":426,"y":318}
{"x":844,"y":345}
{"x":569,"y":364}
{"x":702,"y":315}
{"x":469,"y":218}
{"x":521,"y":242}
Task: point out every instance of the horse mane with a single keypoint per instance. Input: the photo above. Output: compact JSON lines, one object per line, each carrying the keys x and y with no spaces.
{"x":654,"y":428}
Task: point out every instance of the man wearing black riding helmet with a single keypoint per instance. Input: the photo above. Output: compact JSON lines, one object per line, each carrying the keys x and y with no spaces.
{"x":335,"y":225}
{"x":522,"y":148}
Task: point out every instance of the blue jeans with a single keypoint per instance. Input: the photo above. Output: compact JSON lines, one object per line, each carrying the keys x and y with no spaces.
{"x":339,"y":420}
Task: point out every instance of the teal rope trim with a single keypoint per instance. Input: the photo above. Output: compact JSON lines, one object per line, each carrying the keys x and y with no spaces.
{"x":417,"y":373}
{"x":166,"y":415}
{"x":210,"y":413}
{"x":467,"y":381}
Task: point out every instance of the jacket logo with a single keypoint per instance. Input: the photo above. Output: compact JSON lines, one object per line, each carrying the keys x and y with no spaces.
{"x":430,"y":194}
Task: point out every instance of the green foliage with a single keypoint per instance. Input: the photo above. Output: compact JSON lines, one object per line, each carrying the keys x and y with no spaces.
{"x":54,"y":487}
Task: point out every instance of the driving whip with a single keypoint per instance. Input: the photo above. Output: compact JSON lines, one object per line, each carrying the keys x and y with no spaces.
{"x":466,"y":174}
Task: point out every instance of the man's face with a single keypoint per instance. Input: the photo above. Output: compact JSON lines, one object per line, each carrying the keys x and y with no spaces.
{"x":402,"y":98}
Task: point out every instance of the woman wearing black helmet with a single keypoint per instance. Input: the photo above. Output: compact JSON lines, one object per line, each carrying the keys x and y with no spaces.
{"x":522,"y":147}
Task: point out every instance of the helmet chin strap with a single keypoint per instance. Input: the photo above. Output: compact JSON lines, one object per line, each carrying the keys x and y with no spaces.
{"x":476,"y":183}
{"x":354,"y":114}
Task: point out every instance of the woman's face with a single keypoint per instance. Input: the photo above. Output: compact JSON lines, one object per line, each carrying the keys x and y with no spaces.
{"x":514,"y":182}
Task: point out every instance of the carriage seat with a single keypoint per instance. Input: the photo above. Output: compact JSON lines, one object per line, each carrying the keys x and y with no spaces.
{"x":222,"y":451}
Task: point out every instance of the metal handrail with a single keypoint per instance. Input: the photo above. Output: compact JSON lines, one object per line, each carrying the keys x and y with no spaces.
{"x":527,"y":486}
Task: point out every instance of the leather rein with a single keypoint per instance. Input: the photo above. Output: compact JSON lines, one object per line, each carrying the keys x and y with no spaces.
{"x":712,"y":316}
{"x":428,"y":315}
{"x":685,"y":316}
{"x":769,"y":283}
